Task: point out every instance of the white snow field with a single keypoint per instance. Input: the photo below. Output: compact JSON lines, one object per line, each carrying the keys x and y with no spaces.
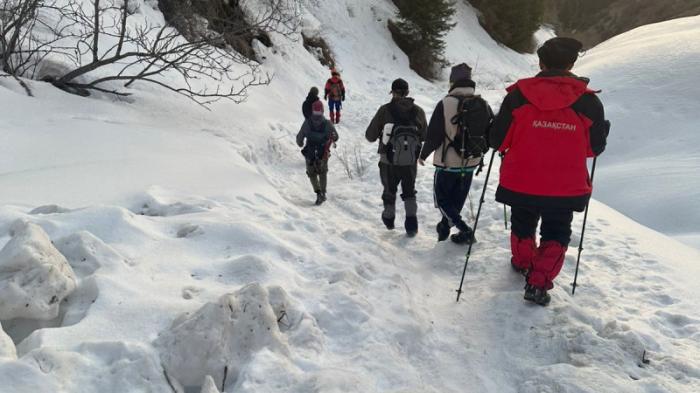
{"x":649,"y":76}
{"x":199,"y":263}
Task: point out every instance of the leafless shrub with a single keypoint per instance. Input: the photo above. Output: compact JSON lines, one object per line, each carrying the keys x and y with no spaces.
{"x":29,"y":32}
{"x":107,"y":49}
{"x":354,"y":164}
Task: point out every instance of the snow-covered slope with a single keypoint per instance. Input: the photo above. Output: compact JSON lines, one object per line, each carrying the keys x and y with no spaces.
{"x":649,"y":77}
{"x":197,"y":252}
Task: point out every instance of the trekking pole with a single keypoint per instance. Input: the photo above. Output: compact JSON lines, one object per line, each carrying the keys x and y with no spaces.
{"x":583,"y":231}
{"x":505,"y":214}
{"x":476,"y":223}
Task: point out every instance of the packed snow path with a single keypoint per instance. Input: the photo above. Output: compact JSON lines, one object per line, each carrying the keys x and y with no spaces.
{"x":381,"y":306}
{"x":360,"y":308}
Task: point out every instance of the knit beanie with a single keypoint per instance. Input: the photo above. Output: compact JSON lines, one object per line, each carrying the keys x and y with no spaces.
{"x":559,"y":52}
{"x":317,"y":108}
{"x":460,"y":72}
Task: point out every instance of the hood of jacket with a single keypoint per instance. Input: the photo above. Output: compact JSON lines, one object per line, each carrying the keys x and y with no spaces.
{"x":311,"y":98}
{"x":317,"y":121}
{"x":402,"y":108}
{"x":552,"y":92}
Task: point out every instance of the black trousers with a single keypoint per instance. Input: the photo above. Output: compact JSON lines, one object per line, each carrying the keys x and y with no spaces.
{"x":392,"y":176}
{"x":556,"y":223}
{"x":450,"y":194}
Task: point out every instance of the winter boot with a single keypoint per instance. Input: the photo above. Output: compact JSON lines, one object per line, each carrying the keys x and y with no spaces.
{"x":463,"y":238}
{"x":523,"y":251}
{"x":388,"y":215}
{"x":443,"y":230}
{"x":332,"y":117}
{"x":337,"y":118}
{"x":320,"y":198}
{"x":537,"y":295}
{"x":411,"y":225}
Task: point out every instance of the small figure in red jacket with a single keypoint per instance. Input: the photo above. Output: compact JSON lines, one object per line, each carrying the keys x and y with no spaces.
{"x":547,"y":128}
{"x":335,"y":95}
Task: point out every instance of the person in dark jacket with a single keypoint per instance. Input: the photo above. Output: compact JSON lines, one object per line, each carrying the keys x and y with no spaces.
{"x":310,"y":99}
{"x":401,"y":110}
{"x":453,"y":173}
{"x":547,"y":127}
{"x":316,"y":136}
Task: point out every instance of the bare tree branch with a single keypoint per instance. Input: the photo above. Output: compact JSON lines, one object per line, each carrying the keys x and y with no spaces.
{"x":202,"y":66}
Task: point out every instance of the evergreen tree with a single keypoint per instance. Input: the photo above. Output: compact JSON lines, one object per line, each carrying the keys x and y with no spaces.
{"x":511,"y":22}
{"x":420,"y":32}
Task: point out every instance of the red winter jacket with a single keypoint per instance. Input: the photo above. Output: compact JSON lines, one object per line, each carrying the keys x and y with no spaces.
{"x":547,"y":143}
{"x":334,"y":89}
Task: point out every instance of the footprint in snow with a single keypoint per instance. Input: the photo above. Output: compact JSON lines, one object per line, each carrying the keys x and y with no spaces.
{"x":190,"y":292}
{"x":353,"y":236}
{"x":188,"y":230}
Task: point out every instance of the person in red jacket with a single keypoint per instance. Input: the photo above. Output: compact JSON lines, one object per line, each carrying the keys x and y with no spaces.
{"x":546,"y":128}
{"x":334,"y":93}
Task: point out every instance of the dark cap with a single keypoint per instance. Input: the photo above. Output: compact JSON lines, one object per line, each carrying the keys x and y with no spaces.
{"x":399,"y":86}
{"x":460,"y":72}
{"x":559,"y":52}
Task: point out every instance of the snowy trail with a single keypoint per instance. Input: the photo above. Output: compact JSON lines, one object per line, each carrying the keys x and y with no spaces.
{"x":382,"y":305}
{"x":213,"y":201}
{"x":492,"y":340}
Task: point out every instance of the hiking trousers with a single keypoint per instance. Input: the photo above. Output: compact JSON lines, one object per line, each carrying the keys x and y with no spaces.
{"x":450,"y":190}
{"x":392,"y":176}
{"x":318,"y":174}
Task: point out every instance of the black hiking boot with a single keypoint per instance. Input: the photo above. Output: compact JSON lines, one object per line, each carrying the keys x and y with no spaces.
{"x":411,"y":225}
{"x":518,"y":269}
{"x":463,"y":237}
{"x":320,"y":198}
{"x":388,"y":222}
{"x":443,"y":231}
{"x":537,"y":295}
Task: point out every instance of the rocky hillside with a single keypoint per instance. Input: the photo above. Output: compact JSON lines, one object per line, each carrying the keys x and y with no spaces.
{"x":594,"y":21}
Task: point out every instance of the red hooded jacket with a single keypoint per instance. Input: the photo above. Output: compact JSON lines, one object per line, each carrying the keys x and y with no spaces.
{"x":546,"y":145}
{"x":334,"y":89}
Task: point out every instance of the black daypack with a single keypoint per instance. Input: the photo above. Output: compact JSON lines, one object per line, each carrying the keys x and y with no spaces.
{"x":404,"y":144}
{"x":317,"y":142}
{"x":473,"y":120}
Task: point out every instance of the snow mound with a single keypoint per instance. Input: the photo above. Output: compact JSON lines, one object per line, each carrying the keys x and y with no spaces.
{"x":49,"y":209}
{"x":220,"y":338}
{"x":158,"y":204}
{"x":209,"y":386}
{"x":649,"y":79}
{"x":7,"y":347}
{"x":105,"y":367}
{"x":34,"y":276}
{"x":86,"y":253}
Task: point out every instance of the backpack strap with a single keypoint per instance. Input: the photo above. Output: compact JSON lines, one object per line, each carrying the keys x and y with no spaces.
{"x":445,"y":146}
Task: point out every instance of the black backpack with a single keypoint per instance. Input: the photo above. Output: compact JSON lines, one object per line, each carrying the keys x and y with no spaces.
{"x":473,"y":120}
{"x":317,"y":142}
{"x":404,"y":144}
